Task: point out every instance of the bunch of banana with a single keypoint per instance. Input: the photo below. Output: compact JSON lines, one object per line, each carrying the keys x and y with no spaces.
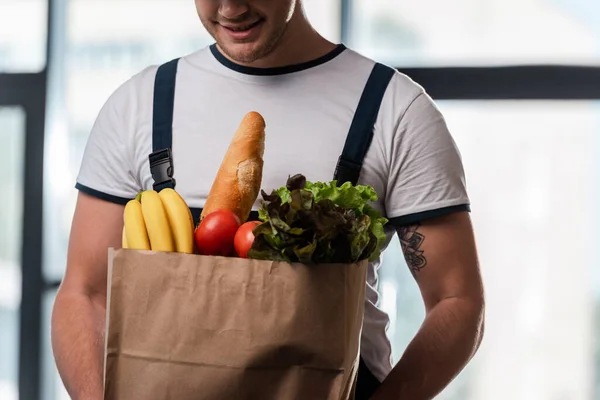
{"x":158,"y":221}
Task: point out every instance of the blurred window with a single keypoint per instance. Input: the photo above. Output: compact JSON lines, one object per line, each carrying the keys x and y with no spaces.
{"x":12,"y":135}
{"x":532,"y":175}
{"x":477,"y":32}
{"x":23,"y":28}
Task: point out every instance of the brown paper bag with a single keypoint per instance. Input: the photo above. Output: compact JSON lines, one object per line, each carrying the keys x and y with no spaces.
{"x":196,"y":327}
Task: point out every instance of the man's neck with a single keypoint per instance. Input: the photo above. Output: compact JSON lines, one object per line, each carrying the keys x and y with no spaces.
{"x":300,"y":43}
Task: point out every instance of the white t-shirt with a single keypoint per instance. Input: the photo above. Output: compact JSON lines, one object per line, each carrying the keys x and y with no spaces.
{"x":412,"y":163}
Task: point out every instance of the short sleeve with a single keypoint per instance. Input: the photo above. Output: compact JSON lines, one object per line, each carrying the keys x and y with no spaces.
{"x":426,"y":175}
{"x":106,"y":169}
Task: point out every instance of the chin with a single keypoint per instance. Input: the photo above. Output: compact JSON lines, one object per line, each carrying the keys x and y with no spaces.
{"x":244,"y":52}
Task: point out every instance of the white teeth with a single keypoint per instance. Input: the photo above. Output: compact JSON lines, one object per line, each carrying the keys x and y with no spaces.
{"x":243,"y":28}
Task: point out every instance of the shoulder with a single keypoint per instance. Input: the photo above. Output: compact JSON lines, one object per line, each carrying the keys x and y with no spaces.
{"x":401,"y":94}
{"x":130,"y":95}
{"x":133,"y":97}
{"x":401,"y":91}
{"x":140,"y":85}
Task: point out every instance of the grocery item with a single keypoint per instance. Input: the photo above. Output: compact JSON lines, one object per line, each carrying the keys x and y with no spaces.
{"x":158,"y":222}
{"x":318,"y":223}
{"x":216,"y":326}
{"x":180,"y":220}
{"x":124,"y":239}
{"x":237,"y":183}
{"x":136,"y":234}
{"x":214,"y":236}
{"x":244,"y":237}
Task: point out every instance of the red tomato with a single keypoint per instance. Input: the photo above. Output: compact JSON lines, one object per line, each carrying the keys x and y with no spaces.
{"x":244,"y":238}
{"x":214,"y":236}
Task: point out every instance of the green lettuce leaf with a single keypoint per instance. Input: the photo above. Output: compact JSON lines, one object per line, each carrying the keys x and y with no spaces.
{"x":376,"y":229}
{"x":318,"y":223}
{"x":346,"y":195}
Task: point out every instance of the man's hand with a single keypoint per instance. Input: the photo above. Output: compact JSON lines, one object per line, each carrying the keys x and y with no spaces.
{"x":80,"y":307}
{"x":442,"y":256}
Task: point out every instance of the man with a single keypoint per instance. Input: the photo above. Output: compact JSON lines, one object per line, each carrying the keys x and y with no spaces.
{"x":268,"y":58}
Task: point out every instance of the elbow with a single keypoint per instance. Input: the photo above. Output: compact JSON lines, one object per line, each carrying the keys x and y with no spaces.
{"x":474,"y":320}
{"x":479,"y":324}
{"x":476,"y":299}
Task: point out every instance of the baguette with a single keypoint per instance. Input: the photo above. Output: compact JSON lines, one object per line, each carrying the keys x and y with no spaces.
{"x":238,"y":181}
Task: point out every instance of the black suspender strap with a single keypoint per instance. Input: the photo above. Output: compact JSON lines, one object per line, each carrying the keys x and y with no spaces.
{"x":161,"y":158}
{"x":361,"y":130}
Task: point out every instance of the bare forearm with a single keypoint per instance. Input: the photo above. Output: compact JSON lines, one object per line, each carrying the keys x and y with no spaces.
{"x":448,"y":338}
{"x":78,"y":343}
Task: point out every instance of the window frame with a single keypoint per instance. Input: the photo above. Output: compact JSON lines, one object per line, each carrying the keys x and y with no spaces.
{"x":29,"y":92}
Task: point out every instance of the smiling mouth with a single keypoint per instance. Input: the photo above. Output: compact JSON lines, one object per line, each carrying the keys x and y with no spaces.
{"x":243,"y":28}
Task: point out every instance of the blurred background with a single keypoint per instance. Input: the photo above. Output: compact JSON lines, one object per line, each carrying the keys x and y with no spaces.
{"x":519,"y":84}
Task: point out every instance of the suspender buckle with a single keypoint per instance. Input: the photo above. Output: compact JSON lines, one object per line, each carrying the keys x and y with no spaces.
{"x":161,"y":168}
{"x":347,"y":171}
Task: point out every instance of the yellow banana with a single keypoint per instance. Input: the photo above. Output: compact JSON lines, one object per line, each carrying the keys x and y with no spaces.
{"x":180,"y":219}
{"x":124,"y":238}
{"x":135,"y":234}
{"x":157,"y":222}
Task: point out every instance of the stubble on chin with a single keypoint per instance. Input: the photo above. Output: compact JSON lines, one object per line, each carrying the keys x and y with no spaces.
{"x":249,"y":52}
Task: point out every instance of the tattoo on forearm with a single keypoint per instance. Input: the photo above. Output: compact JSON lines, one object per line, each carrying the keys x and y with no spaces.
{"x":411,"y":242}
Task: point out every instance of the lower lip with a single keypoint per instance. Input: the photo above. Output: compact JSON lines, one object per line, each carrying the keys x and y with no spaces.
{"x":243,"y":35}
